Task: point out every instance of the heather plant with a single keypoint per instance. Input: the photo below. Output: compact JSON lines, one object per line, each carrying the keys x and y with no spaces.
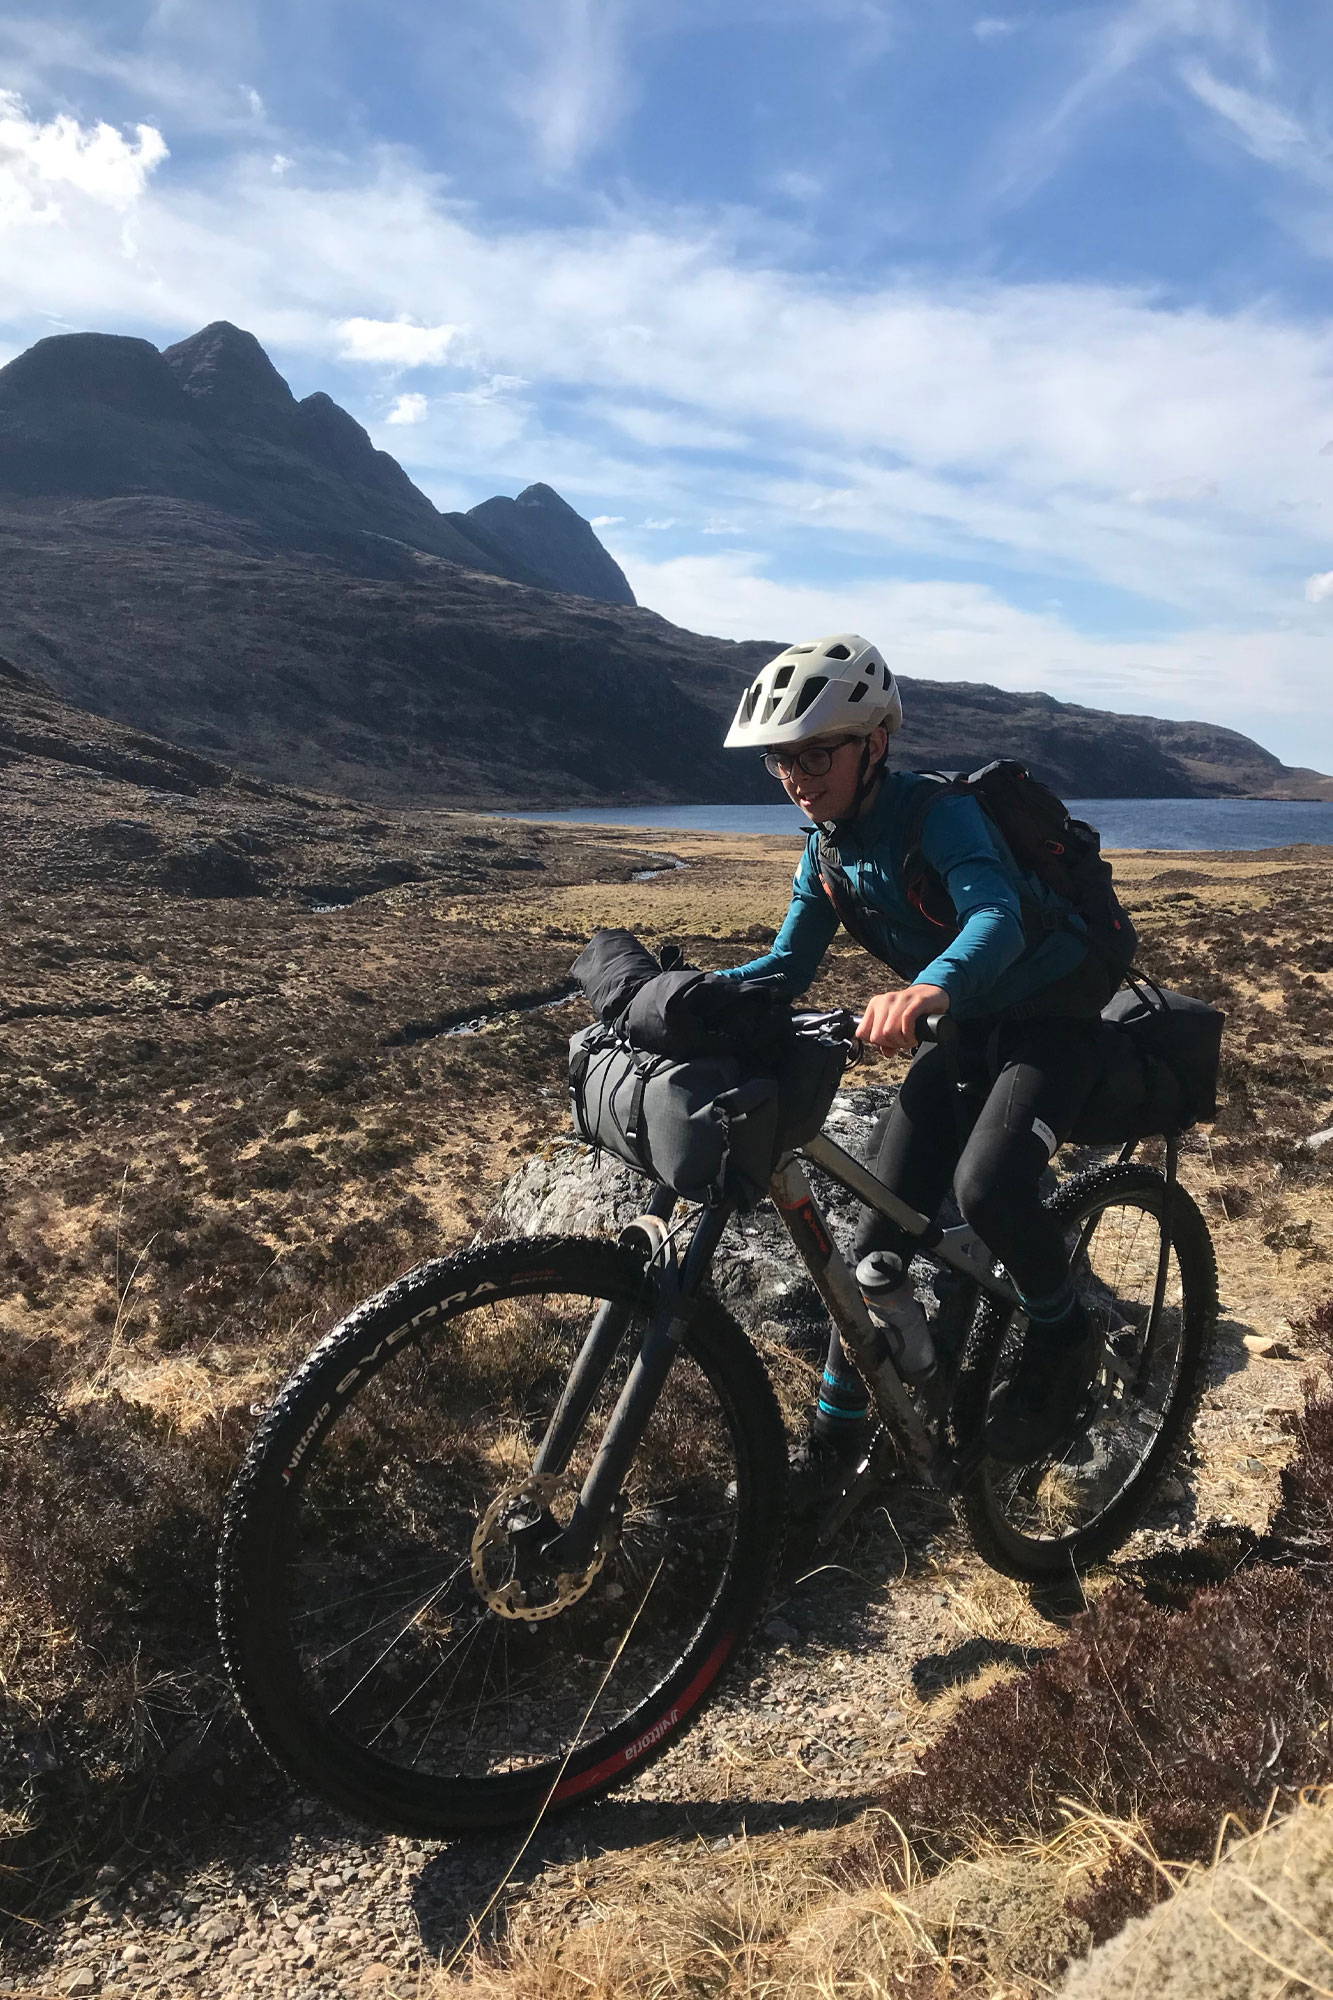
{"x":1176,"y":1716}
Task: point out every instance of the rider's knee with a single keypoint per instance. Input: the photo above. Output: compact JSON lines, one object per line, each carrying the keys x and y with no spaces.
{"x":984,"y":1201}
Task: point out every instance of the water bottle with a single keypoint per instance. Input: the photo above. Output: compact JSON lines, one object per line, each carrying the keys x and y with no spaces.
{"x":895,"y":1309}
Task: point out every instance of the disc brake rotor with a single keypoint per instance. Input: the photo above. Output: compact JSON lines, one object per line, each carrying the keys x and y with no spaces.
{"x":520,"y":1587}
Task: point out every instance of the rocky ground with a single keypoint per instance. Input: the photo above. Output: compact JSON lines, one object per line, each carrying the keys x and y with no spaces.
{"x":227,"y":1112}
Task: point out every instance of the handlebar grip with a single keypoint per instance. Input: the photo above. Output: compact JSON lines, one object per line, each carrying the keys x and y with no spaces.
{"x":936,"y":1028}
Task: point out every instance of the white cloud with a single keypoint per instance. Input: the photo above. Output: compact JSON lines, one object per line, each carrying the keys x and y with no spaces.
{"x":1318,"y":589}
{"x":606,"y":520}
{"x":254,"y":102}
{"x":1266,"y":683}
{"x":1111,"y":47}
{"x":182,"y":70}
{"x":1266,"y":129}
{"x":396,"y":342}
{"x":577,"y":86}
{"x":672,"y":430}
{"x":794,"y":185}
{"x":660,"y":527}
{"x":1173,"y":492}
{"x":994,"y":28}
{"x":40,"y":162}
{"x":409,"y":409}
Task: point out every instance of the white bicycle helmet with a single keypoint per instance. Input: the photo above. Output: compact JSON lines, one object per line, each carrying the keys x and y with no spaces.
{"x":840,"y":684}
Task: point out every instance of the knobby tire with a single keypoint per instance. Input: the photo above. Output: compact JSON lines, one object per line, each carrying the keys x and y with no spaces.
{"x":1054,"y":1519}
{"x":359,"y":1643}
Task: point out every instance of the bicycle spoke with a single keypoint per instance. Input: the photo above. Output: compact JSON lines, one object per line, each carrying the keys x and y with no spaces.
{"x":1115,"y":1268}
{"x":357,"y":1685}
{"x":445,"y":1443}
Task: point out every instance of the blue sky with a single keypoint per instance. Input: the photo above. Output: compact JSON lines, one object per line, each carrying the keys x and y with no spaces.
{"x":1003,"y":336}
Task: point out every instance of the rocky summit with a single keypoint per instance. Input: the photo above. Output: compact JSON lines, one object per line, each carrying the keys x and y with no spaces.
{"x":210,"y":423}
{"x":187,"y":549}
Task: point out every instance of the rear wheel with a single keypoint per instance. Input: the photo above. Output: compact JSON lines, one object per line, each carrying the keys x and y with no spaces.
{"x":1134,"y":1245}
{"x":387,"y":1620}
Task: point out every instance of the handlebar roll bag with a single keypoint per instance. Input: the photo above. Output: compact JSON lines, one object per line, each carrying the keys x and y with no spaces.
{"x":700,"y":1127}
{"x":708,"y":1127}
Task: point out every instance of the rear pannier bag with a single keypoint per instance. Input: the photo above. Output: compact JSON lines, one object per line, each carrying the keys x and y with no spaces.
{"x":1161,"y":1053}
{"x":1183,"y":1033}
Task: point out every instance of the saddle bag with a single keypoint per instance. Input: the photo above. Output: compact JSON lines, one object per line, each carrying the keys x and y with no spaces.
{"x":1183,"y":1033}
{"x":1161,"y":1054}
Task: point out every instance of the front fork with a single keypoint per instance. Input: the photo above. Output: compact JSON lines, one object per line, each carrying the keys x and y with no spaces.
{"x":675,"y":1285}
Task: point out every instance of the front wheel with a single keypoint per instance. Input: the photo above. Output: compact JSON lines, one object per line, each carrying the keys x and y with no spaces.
{"x":1143,"y":1264}
{"x":371,"y":1620}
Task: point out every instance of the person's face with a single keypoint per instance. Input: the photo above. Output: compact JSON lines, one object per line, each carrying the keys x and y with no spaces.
{"x":831,"y":793}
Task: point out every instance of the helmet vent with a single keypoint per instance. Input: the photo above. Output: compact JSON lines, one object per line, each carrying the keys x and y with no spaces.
{"x":857,"y":693}
{"x":814,"y":686}
{"x":838,"y":653}
{"x":783,"y":675}
{"x":869,"y":671}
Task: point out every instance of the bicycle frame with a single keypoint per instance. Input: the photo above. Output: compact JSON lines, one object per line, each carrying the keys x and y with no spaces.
{"x":675,"y":1285}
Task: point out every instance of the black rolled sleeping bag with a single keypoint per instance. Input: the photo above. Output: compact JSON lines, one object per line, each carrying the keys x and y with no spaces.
{"x":611,"y":968}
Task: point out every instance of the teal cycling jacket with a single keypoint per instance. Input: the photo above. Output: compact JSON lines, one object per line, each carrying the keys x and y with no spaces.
{"x":990,"y":966}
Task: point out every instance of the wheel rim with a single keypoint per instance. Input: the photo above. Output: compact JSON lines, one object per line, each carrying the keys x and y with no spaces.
{"x":397,"y":1627}
{"x":1057,"y":1500}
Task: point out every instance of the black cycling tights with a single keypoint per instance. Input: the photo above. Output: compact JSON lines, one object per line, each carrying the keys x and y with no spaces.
{"x":1038,"y":1073}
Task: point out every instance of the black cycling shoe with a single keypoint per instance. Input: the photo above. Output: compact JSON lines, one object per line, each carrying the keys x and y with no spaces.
{"x":818,"y":1470}
{"x":1039,"y":1405}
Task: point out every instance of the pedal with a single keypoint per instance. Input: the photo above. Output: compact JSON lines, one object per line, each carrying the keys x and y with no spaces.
{"x":863,"y":1482}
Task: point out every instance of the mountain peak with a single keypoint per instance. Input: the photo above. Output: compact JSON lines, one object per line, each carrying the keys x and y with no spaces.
{"x":109,"y":368}
{"x":227,"y":372}
{"x":210,"y":423}
{"x":541,"y":495}
{"x":554,"y":541}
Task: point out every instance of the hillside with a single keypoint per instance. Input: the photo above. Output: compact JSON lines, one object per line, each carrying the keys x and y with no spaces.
{"x":188,"y":549}
{"x":432,"y":684}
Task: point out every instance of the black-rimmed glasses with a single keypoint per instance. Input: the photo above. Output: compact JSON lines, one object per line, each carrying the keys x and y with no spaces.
{"x":814,"y":762}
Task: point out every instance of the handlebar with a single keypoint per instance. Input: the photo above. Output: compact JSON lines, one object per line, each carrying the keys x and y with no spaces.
{"x":838,"y":1024}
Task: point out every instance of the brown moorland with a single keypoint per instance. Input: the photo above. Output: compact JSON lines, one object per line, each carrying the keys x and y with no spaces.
{"x":228,"y":1110}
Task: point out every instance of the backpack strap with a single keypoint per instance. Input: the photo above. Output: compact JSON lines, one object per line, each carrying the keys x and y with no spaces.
{"x":836,"y":884}
{"x":922,"y":884}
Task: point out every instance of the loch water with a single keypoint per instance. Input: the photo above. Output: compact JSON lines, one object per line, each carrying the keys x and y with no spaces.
{"x":1167,"y":825}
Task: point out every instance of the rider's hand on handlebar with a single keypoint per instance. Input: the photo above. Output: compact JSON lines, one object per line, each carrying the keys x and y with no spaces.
{"x":890,"y":1019}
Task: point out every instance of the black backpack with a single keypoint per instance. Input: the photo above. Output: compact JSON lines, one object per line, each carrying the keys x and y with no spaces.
{"x":1045,"y":841}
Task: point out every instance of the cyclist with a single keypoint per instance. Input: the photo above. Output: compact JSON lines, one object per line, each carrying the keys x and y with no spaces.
{"x":1026,"y":1008}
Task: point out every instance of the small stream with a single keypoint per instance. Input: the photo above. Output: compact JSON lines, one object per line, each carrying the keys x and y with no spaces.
{"x":651,"y":874}
{"x":475,"y":1024}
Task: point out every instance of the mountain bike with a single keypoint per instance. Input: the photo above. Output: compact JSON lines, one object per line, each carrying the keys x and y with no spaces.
{"x":501,"y":1537}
